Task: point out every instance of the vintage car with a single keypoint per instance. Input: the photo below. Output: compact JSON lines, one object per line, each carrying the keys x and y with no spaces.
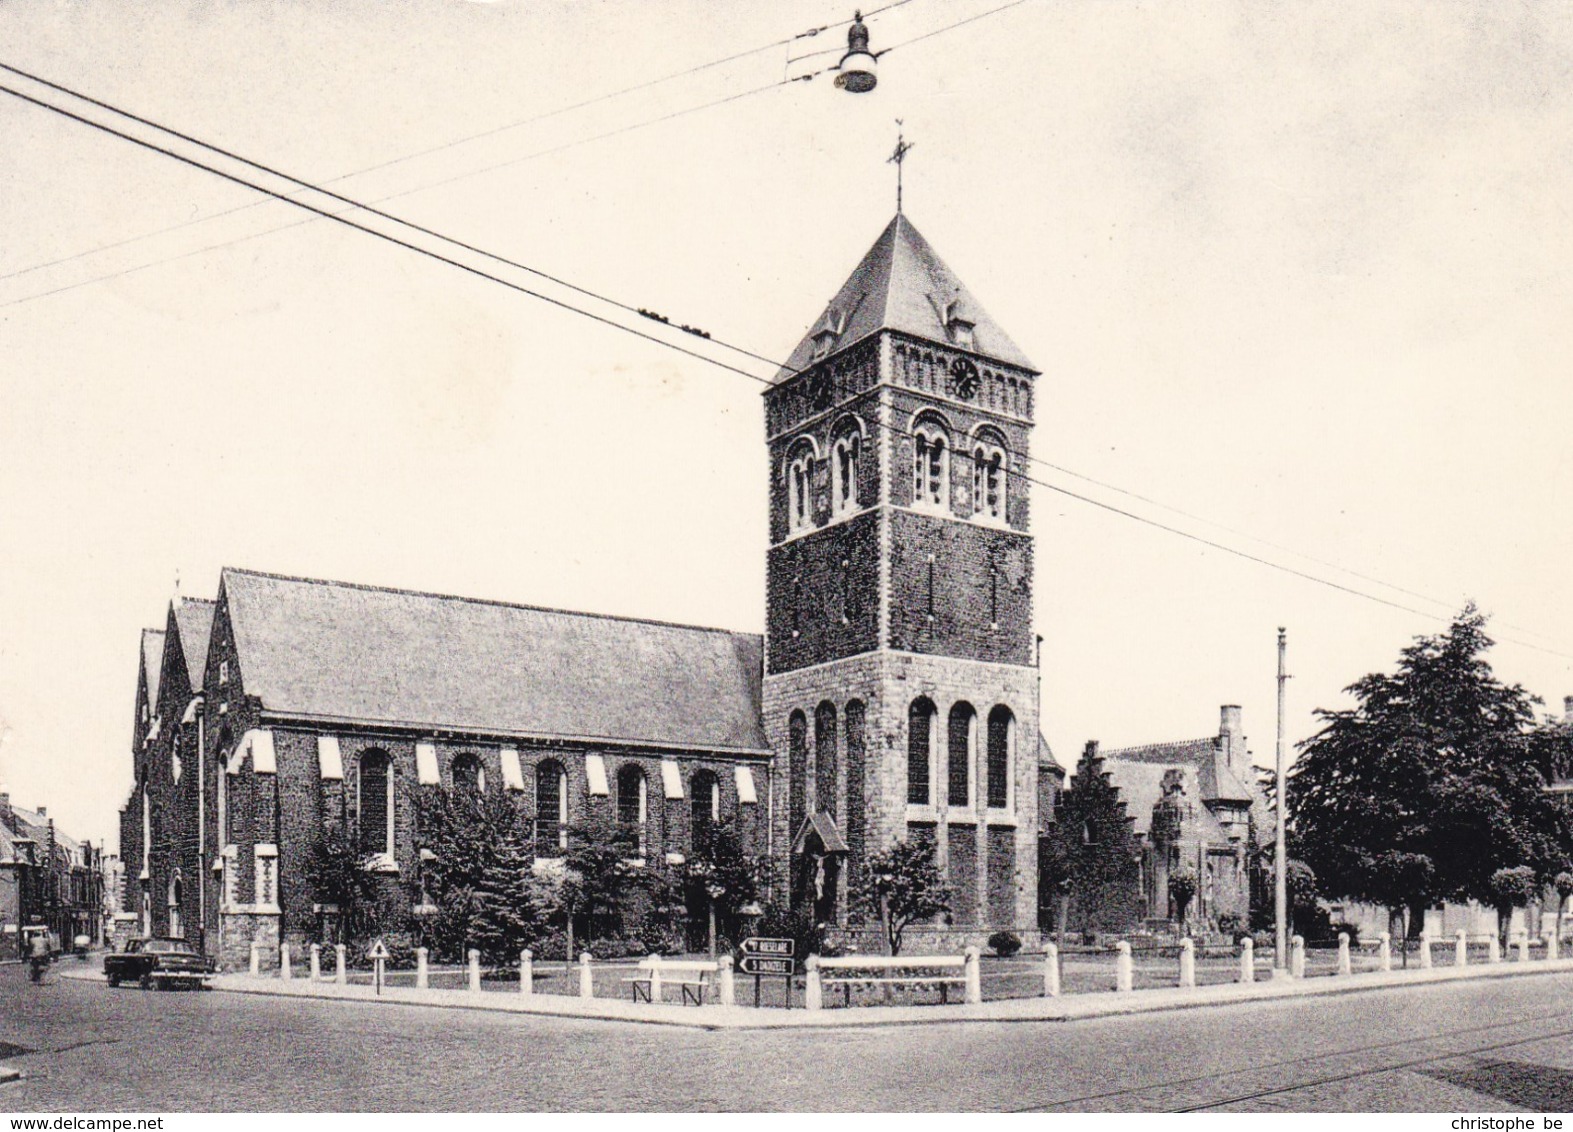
{"x":158,"y":963}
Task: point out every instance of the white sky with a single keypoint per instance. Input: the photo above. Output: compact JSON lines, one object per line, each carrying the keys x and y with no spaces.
{"x":1295,"y":268}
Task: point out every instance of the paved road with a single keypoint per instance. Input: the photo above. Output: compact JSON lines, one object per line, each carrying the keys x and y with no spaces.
{"x":1462,"y":1047}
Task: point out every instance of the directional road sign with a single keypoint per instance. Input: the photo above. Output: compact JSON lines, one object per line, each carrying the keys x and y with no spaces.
{"x":758,"y":945}
{"x":765,"y":965}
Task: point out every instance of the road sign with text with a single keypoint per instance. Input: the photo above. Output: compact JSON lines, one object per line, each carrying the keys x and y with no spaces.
{"x":765,"y":965}
{"x":758,"y":945}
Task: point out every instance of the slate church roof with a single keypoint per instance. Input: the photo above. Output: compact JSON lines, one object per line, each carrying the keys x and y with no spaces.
{"x":902,"y":284}
{"x":152,"y":661}
{"x":338,"y":651}
{"x":194,"y":619}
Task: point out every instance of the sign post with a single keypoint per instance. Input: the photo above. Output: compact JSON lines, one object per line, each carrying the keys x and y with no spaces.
{"x":765,"y":956}
{"x":378,"y":954}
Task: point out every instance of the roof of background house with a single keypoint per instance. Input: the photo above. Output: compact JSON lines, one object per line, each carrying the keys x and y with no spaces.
{"x":1046,"y":757}
{"x":1217,"y":783}
{"x":337,"y":651}
{"x":152,"y":661}
{"x":7,"y":846}
{"x":902,"y":284}
{"x":1141,"y":786}
{"x":194,"y":619}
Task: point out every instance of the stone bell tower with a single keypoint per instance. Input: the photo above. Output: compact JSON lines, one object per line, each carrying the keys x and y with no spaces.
{"x":900,"y":686}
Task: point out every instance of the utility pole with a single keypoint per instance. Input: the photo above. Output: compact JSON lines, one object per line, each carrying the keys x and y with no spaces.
{"x":1280,"y":862}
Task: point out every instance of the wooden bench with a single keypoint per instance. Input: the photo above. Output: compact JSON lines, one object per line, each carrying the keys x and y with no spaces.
{"x":848,"y":971}
{"x":692,"y":975}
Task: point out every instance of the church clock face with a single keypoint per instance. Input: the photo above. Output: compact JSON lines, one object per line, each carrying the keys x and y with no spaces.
{"x":964,"y":378}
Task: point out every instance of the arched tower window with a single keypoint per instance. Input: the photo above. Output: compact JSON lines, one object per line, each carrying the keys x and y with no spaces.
{"x":631,"y":802}
{"x":825,"y":758}
{"x":800,"y":487}
{"x":551,"y":809}
{"x":845,"y":456}
{"x":920,"y":751}
{"x":958,"y":776}
{"x":704,"y":808}
{"x":1000,"y":756}
{"x":468,"y":774}
{"x":376,"y":803}
{"x":797,"y":770}
{"x":988,"y":477}
{"x":930,"y":465}
{"x":853,"y":719}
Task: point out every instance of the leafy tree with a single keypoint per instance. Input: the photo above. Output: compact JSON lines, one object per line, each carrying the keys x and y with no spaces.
{"x":902,"y":885}
{"x":600,"y":880}
{"x":478,"y":874}
{"x":1091,"y":852}
{"x":721,"y":875}
{"x":1564,"y":886}
{"x":1428,"y":785}
{"x":1182,"y":887}
{"x":1511,"y":888}
{"x":339,"y":874}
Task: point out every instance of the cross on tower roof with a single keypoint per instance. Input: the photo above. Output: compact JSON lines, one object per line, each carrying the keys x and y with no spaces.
{"x":897,"y":158}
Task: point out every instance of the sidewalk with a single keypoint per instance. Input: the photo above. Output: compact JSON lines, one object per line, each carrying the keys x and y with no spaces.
{"x":1063,"y":1009}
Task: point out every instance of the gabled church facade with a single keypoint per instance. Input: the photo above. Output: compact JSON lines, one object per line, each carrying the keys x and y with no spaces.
{"x":893,"y":695}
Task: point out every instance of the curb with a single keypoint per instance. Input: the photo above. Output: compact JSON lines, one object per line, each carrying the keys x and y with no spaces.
{"x":9,"y":1074}
{"x":1069,"y":1008}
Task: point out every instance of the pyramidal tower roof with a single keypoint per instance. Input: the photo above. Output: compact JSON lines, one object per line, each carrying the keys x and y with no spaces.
{"x":903,"y":285}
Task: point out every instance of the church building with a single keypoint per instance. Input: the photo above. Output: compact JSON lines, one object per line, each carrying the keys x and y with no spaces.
{"x":894,"y":694}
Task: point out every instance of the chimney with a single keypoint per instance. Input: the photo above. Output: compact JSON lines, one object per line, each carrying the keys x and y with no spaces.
{"x":1229,"y":720}
{"x":1567,"y":708}
{"x":43,"y":812}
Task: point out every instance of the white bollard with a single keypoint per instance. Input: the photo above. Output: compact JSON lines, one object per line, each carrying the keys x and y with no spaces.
{"x":316,"y":962}
{"x":724,"y":981}
{"x":1051,"y":971}
{"x":1187,"y":962}
{"x":1297,"y":957}
{"x":1384,"y":952}
{"x":1344,"y":966}
{"x":657,"y":990}
{"x":284,"y":969}
{"x":1523,"y":948}
{"x":1122,"y":967}
{"x":1551,"y":945}
{"x":1461,"y":948}
{"x":813,"y":989}
{"x":526,"y":972}
{"x":256,"y":960}
{"x":475,"y":971}
{"x":422,"y":971}
{"x":1247,"y":960}
{"x":1494,"y":949}
{"x":1425,"y":951}
{"x":586,"y":977}
{"x":339,"y":974}
{"x":973,"y":976}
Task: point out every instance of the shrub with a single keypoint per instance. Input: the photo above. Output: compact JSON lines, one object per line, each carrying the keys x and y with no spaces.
{"x":1005,"y":944}
{"x":1348,"y":929}
{"x":1230,"y":924}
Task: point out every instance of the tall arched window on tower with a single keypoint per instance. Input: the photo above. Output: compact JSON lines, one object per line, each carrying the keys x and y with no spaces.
{"x":1000,"y":756}
{"x":551,"y":809}
{"x":704,"y":808}
{"x":800,"y":487}
{"x":920,"y":751}
{"x":376,"y":804}
{"x":825,"y":758}
{"x":797,"y":771}
{"x":988,"y":477}
{"x":958,"y":773}
{"x":845,"y":457}
{"x":632,"y":802}
{"x":930,"y":464}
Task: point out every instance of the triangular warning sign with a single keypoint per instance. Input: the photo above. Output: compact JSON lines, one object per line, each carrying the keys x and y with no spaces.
{"x":377,"y":951}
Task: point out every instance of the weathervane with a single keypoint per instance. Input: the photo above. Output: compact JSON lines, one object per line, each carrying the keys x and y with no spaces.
{"x":902,"y":145}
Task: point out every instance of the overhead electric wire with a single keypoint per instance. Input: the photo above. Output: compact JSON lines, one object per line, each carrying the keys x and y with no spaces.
{"x":520,"y":124}
{"x":470,"y":269}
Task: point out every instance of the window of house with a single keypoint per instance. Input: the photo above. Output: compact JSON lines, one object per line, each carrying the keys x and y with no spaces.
{"x":930,"y":467}
{"x":988,"y":482}
{"x":958,"y":777}
{"x":631,"y":802}
{"x":551,"y":809}
{"x":800,"y":484}
{"x":920,"y":754}
{"x":1001,"y":741}
{"x":376,"y":804}
{"x":847,"y":452}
